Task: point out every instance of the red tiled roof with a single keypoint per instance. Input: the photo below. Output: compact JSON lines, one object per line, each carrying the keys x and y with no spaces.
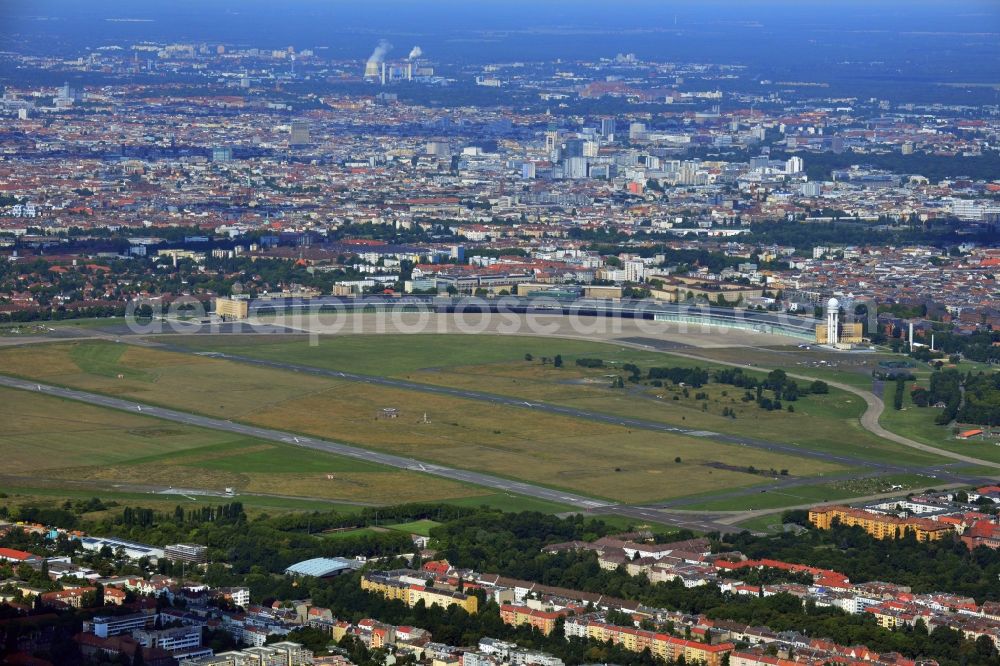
{"x":17,"y":555}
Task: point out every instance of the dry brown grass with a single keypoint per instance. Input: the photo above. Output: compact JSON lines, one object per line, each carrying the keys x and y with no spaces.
{"x":584,"y":456}
{"x":193,"y":383}
{"x":380,"y":487}
{"x":369,"y":487}
{"x":61,"y":443}
{"x":591,"y":458}
{"x":42,"y":432}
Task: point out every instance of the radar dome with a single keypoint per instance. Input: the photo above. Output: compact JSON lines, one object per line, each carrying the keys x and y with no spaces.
{"x":833,"y":304}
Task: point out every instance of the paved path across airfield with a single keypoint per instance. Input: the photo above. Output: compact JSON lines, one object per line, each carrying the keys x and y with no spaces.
{"x":704,"y":522}
{"x":874,"y":406}
{"x":940,"y":471}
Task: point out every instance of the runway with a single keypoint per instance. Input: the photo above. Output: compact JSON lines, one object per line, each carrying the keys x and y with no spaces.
{"x":671,"y":512}
{"x":704,"y":523}
{"x":940,"y":471}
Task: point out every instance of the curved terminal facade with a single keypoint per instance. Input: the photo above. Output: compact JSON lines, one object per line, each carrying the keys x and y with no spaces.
{"x":771,"y":323}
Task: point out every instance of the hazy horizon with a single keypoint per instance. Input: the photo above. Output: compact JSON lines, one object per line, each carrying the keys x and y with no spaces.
{"x":766,"y":32}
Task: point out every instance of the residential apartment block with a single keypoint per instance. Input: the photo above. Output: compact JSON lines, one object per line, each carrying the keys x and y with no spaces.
{"x":663,"y":646}
{"x":543,"y":620}
{"x":878,"y":525}
{"x":411,"y":593}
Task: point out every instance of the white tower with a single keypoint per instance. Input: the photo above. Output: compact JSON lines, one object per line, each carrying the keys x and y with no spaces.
{"x":832,"y":321}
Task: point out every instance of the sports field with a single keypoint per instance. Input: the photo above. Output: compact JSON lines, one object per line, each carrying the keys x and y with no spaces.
{"x":421,"y":527}
{"x":595,"y":459}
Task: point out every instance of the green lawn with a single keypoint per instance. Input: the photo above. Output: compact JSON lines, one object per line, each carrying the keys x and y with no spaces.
{"x":767,"y":523}
{"x":508,"y":502}
{"x":917,"y":423}
{"x":66,"y":443}
{"x":254,"y":504}
{"x":421,"y":527}
{"x":565,"y":452}
{"x":815,"y":494}
{"x":496,"y":364}
{"x":625,"y":523}
{"x":346,"y":534}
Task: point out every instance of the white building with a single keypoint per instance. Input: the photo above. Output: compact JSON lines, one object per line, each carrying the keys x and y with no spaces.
{"x":973,"y":211}
{"x":575,"y":168}
{"x":635,"y":271}
{"x":832,"y":321}
{"x":172,"y":640}
{"x":122,"y":624}
{"x":131,"y":549}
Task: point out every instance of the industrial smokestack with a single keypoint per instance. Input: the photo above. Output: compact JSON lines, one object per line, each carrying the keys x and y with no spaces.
{"x":415,"y":53}
{"x":376,"y":58}
{"x":383,"y":73}
{"x":911,"y":336}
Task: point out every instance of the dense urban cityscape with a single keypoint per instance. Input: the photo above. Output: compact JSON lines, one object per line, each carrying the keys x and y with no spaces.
{"x":517,"y":334}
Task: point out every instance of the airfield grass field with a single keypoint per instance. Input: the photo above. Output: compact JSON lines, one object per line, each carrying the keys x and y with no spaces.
{"x":815,"y":494}
{"x":62,"y":443}
{"x":56,"y":495}
{"x":563,"y":452}
{"x":42,"y":433}
{"x":496,"y":364}
{"x":820,"y":423}
{"x":853,"y":369}
{"x":917,"y":423}
{"x":770,"y":522}
{"x":42,"y":328}
{"x":398,"y":355}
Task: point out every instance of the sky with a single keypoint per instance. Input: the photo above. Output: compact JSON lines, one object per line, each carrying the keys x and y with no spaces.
{"x":954,"y":39}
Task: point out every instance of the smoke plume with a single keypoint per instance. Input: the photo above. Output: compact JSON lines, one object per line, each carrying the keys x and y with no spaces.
{"x":415,"y":53}
{"x":378,"y":55}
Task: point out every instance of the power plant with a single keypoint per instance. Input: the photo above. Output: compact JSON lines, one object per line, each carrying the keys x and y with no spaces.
{"x":376,"y":59}
{"x":377,"y":68}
